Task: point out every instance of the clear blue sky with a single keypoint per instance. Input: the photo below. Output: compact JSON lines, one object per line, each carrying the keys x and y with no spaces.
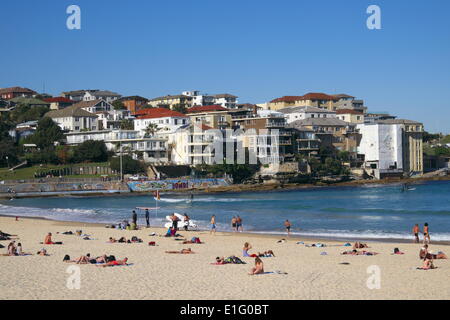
{"x":256,"y":49}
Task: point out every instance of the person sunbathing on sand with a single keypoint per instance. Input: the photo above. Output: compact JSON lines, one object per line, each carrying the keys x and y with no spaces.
{"x":48,"y":239}
{"x":266,"y":254}
{"x":12,"y":248}
{"x":115,"y":263}
{"x":424,"y":253}
{"x":427,"y":264}
{"x":112,"y":240}
{"x":182,"y":251}
{"x":355,"y":252}
{"x":258,"y":268}
{"x":247,"y":246}
{"x":360,"y":245}
{"x":42,"y":252}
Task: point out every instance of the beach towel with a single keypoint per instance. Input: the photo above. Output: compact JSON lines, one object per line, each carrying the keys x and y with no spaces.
{"x":323,"y":253}
{"x":420,"y":268}
{"x":271,"y":272}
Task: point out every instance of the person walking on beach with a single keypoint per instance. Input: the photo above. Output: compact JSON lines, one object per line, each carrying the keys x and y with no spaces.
{"x":288,"y":225}
{"x":426,"y":233}
{"x":186,"y":222}
{"x":416,"y":231}
{"x":134,"y":217}
{"x":239,"y":224}
{"x":147,"y":217}
{"x":213,"y":224}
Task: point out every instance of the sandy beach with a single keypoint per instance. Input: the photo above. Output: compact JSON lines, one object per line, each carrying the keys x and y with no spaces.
{"x":157,"y":275}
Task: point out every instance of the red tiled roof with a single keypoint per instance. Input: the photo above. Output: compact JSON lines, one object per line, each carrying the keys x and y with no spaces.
{"x":308,"y":96}
{"x":211,"y":108}
{"x":348,"y":111}
{"x":151,"y":113}
{"x":203,"y":126}
{"x":318,"y":96}
{"x":287,"y":99}
{"x":58,"y":99}
{"x":16,"y":90}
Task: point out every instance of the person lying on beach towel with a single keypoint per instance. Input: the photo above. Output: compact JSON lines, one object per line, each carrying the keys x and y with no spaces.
{"x":424,"y":253}
{"x":115,"y":263}
{"x":42,"y":252}
{"x":258,"y":268}
{"x":355,"y":252}
{"x":266,"y":254}
{"x":229,"y":260}
{"x":86,"y":259}
{"x":360,"y":245}
{"x":194,"y":240}
{"x":318,"y":245}
{"x":397,"y":251}
{"x":6,"y":236}
{"x":182,"y":251}
{"x":427,"y":265}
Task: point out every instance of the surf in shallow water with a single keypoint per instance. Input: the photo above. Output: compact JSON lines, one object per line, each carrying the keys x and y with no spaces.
{"x":349,"y":212}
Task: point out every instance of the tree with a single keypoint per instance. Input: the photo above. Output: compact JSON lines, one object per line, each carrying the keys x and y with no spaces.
{"x":180,"y":108}
{"x":118,"y":105}
{"x":47,"y":133}
{"x":127,"y":124}
{"x":23,"y":113}
{"x":8,"y":152}
{"x":151,"y":129}
{"x":91,"y":151}
{"x":129,"y":165}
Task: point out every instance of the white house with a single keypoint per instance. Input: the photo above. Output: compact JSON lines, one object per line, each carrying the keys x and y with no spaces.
{"x":167,"y":121}
{"x":381,"y":145}
{"x":127,"y":142}
{"x":301,"y":113}
{"x":74,"y":119}
{"x":105,"y":95}
{"x":108,"y":117}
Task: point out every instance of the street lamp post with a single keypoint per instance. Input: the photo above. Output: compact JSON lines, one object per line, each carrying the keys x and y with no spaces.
{"x":121,"y":168}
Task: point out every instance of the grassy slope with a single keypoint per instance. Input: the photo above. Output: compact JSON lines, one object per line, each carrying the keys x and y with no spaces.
{"x":28,"y":172}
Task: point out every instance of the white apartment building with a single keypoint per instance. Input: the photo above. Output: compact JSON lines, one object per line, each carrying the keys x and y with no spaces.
{"x":167,"y":121}
{"x":301,"y":113}
{"x":225,"y":100}
{"x":108,"y":118}
{"x":152,"y":150}
{"x":382,"y":147}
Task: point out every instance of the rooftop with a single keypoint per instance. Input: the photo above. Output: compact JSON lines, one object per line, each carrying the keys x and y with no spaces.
{"x":332,"y":122}
{"x":152,"y":113}
{"x":59,"y":99}
{"x":201,"y":109}
{"x":304,"y":109}
{"x":349,"y":111}
{"x":16,"y":90}
{"x":72,"y":111}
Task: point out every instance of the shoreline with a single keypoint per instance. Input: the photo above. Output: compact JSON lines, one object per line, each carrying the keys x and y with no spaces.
{"x":238,"y":188}
{"x":246,"y":234}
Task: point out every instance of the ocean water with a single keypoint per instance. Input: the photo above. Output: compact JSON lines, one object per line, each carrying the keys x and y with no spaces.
{"x":372,"y":212}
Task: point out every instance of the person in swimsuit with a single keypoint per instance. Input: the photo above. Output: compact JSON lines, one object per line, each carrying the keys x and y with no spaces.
{"x":213,"y":224}
{"x":12,"y":248}
{"x":175,"y":221}
{"x":426,"y":233}
{"x":259,"y":267}
{"x":416,"y":231}
{"x":147,"y":218}
{"x":182,"y":251}
{"x":134,"y":217}
{"x":233,"y":223}
{"x":48,"y":239}
{"x":186,"y":222}
{"x":247,"y":246}
{"x":115,"y":263}
{"x":288,"y":226}
{"x":239,"y":224}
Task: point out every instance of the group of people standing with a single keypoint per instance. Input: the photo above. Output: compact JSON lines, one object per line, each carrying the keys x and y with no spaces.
{"x":426,"y":233}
